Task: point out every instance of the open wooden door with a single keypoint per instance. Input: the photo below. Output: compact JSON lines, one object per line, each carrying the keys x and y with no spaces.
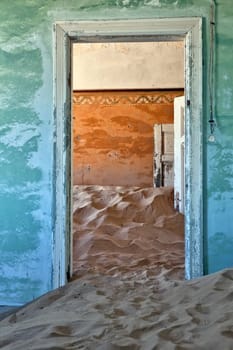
{"x":163,"y":155}
{"x":179,"y":149}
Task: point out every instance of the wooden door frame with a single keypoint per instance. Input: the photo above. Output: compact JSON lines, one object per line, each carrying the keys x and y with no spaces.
{"x":69,"y":32}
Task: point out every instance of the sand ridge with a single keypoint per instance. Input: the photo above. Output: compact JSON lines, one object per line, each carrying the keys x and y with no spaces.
{"x":141,"y":303}
{"x":122,"y":229}
{"x":140,"y":312}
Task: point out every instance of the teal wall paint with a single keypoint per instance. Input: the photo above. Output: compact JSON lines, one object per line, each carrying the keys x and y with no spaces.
{"x":27,"y":129}
{"x":219,"y":199}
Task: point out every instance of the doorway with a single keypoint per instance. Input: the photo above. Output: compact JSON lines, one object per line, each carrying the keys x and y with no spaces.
{"x":116,"y":31}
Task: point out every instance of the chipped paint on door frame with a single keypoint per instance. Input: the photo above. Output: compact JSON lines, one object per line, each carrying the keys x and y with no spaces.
{"x":66,"y":33}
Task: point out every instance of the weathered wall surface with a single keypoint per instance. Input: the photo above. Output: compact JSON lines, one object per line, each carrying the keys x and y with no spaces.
{"x":113,"y":137}
{"x":114,"y":66}
{"x":219,"y":155}
{"x":27,"y":129}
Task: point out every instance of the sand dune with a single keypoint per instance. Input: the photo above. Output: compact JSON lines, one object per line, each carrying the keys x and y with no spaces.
{"x":140,"y":312}
{"x":119,"y":230}
{"x":136,"y":300}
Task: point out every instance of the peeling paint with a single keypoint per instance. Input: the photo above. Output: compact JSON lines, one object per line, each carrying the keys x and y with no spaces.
{"x":18,"y":135}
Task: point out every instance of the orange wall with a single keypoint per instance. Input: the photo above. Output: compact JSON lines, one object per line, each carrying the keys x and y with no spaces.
{"x":113,"y":135}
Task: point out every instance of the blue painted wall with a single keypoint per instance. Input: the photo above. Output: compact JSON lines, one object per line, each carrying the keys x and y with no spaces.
{"x":27,"y":129}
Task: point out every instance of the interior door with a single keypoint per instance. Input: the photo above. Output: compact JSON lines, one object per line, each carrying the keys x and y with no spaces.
{"x":179,"y":149}
{"x":163,"y":155}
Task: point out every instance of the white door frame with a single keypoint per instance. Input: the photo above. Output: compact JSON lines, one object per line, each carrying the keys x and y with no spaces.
{"x":179,"y":153}
{"x":66,"y":33}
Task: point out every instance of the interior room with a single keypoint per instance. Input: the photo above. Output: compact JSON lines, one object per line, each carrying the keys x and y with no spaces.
{"x":125,"y":216}
{"x":128,"y":289}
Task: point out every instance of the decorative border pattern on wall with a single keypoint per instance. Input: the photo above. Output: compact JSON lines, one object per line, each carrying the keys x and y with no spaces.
{"x":125,"y":97}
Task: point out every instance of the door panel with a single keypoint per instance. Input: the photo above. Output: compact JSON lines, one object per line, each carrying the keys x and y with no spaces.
{"x":163,"y":155}
{"x":179,"y":149}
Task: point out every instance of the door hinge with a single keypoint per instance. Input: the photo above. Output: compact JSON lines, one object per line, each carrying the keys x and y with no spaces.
{"x":69,"y":80}
{"x":177,"y":202}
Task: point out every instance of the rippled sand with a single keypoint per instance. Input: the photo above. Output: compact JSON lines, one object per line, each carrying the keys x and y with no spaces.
{"x":129,"y":291}
{"x":120,"y":230}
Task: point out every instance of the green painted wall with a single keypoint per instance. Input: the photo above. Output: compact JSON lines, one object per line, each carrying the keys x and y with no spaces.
{"x":219,"y":198}
{"x":27,"y":129}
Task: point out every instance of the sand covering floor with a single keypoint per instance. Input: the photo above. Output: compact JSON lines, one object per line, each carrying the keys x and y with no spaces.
{"x":141,"y":304}
{"x":118,"y":230}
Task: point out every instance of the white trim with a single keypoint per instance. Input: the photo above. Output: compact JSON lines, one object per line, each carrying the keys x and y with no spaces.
{"x":159,"y":26}
{"x":193,"y":154}
{"x":189,"y":29}
{"x":62,"y":112}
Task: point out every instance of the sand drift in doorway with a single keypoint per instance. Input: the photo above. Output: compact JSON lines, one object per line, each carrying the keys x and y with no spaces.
{"x":119,"y":230}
